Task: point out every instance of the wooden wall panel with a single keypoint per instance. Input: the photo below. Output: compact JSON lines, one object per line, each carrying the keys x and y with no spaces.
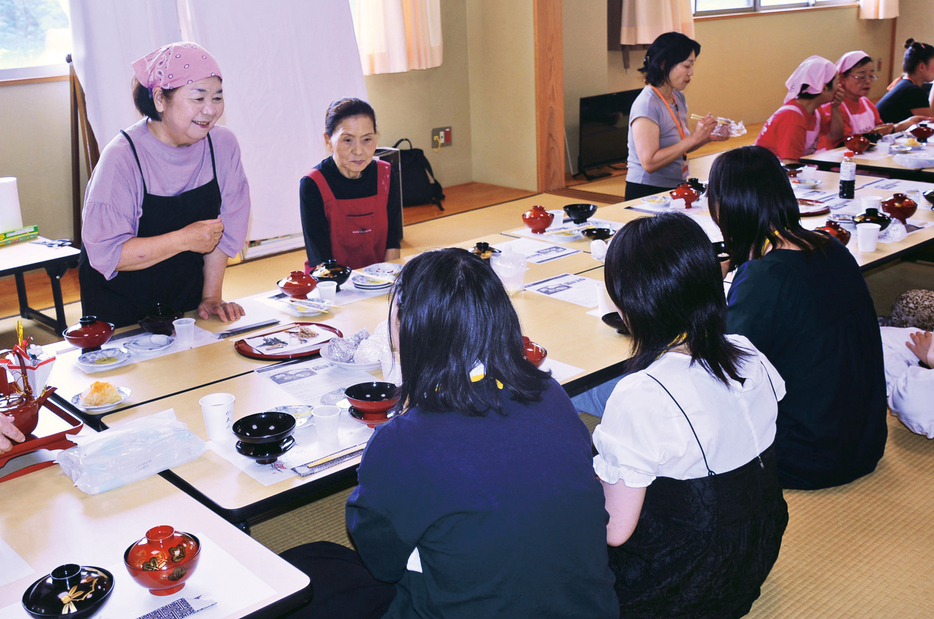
{"x":549,"y":94}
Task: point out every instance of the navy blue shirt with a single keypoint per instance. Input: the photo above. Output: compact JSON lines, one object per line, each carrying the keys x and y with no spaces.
{"x":905,"y":96}
{"x":505,"y":510}
{"x":813,"y":318}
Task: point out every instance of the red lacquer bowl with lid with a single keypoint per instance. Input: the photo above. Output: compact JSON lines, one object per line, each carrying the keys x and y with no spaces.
{"x":900,"y":206}
{"x":89,"y":334}
{"x":834,"y":229}
{"x":857,"y":143}
{"x":297,"y":285}
{"x":163,"y":560}
{"x":538,"y":219}
{"x":687,"y":193}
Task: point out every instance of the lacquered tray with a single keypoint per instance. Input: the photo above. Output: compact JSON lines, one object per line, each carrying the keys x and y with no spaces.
{"x":248,"y":351}
{"x":55,"y":424}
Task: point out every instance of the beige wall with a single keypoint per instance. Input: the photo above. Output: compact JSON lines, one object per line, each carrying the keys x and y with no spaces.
{"x":744,"y":60}
{"x":502,"y":92}
{"x":409,"y":105}
{"x":915,"y":21}
{"x":35,"y":134}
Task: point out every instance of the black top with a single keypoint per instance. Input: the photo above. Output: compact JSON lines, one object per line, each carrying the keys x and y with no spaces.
{"x":505,"y":510}
{"x":814,"y":320}
{"x":315,"y":224}
{"x":905,"y":96}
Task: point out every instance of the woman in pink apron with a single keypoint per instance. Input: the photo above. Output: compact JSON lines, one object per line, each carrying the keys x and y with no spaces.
{"x":793,"y":130}
{"x":858,"y":113}
{"x":350,"y":203}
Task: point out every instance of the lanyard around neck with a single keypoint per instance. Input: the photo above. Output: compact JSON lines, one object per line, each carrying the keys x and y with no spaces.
{"x":674,"y":116}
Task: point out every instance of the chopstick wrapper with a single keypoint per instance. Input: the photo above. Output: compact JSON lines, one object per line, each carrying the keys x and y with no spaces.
{"x":130,"y":452}
{"x":179,"y":608}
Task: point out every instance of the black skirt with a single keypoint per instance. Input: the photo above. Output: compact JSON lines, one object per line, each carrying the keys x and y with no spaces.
{"x":703,"y":547}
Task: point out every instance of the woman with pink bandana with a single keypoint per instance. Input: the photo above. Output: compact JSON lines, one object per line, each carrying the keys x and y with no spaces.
{"x":793,"y":130}
{"x":859,"y":114}
{"x":168,"y":202}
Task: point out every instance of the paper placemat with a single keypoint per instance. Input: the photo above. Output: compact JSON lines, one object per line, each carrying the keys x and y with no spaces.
{"x":560,"y":371}
{"x":12,"y":566}
{"x":537,"y":252}
{"x":202,"y":337}
{"x":566,"y":287}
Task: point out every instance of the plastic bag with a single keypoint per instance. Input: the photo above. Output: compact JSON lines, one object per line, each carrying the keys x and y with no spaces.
{"x":128,"y":453}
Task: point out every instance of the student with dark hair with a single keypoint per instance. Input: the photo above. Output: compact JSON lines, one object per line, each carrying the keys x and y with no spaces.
{"x":858,"y":114}
{"x":801,"y":299}
{"x":350,"y":202}
{"x":793,"y":130}
{"x":480,"y":499}
{"x":912,"y":94}
{"x":658,"y":121}
{"x":685,"y":446}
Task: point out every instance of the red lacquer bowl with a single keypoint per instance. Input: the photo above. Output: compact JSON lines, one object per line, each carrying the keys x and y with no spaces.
{"x":857,"y":143}
{"x":687,"y":193}
{"x":538,"y":219}
{"x":89,"y":334}
{"x":533,"y":353}
{"x":297,"y":285}
{"x":834,"y":229}
{"x":922,"y":132}
{"x":900,"y":206}
{"x":373,"y":400}
{"x":163,"y":560}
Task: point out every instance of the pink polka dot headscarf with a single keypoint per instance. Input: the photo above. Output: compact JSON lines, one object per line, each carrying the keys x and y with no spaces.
{"x":174,"y":65}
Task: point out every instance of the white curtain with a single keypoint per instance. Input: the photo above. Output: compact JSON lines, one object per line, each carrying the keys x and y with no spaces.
{"x":644,"y":20}
{"x":878,"y":9}
{"x":398,"y":35}
{"x":283,"y":63}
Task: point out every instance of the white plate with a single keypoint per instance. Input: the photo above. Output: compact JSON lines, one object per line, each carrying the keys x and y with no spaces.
{"x":149,"y":343}
{"x":105,"y":357}
{"x":806,"y":182}
{"x":383,"y":268}
{"x":307,"y":307}
{"x":124,"y":394}
{"x":656,"y":199}
{"x":301,"y":412}
{"x":368,"y":283}
{"x":349,"y":366}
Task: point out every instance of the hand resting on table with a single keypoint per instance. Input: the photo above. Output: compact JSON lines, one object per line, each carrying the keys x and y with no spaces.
{"x":9,"y":434}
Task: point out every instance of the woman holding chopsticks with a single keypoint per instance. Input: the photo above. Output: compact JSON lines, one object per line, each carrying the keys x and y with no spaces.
{"x":658,"y":136}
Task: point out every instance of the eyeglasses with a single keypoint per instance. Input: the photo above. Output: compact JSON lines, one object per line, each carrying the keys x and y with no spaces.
{"x":864,"y":77}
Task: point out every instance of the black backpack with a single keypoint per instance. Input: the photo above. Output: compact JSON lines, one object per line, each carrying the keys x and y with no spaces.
{"x":418,"y":181}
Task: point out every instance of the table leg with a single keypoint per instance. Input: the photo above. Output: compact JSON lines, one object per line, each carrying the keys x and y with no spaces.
{"x":21,"y":293}
{"x":55,"y":278}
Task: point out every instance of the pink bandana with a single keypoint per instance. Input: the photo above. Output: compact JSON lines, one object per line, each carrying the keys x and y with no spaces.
{"x":849,"y":60}
{"x":815,"y":72}
{"x":174,"y":65}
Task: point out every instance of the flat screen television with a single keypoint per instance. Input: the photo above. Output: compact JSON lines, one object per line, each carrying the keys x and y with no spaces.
{"x":604,"y":130}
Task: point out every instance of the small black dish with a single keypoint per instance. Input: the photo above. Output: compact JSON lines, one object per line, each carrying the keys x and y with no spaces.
{"x":484,"y":250}
{"x":263,"y":428}
{"x":49,"y":596}
{"x":929,"y":196}
{"x":597,"y":234}
{"x":266,"y":453}
{"x":613,"y":319}
{"x":873,"y":137}
{"x":579,"y":213}
{"x":159,"y":318}
{"x":697,"y":186}
{"x":330,"y":271}
{"x":719,"y":250}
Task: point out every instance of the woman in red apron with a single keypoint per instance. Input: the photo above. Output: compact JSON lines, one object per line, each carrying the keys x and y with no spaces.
{"x":793,"y":130}
{"x":166,"y":207}
{"x":859,"y":114}
{"x":350,"y":203}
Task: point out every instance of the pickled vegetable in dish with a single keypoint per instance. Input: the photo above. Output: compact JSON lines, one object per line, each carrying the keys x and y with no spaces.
{"x":100,"y":393}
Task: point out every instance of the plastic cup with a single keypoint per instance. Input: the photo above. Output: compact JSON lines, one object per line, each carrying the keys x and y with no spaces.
{"x":867,"y":236}
{"x":882,"y":147}
{"x":327,"y":420}
{"x":871,"y":202}
{"x":391,"y":369}
{"x":808,"y":171}
{"x":603,"y":303}
{"x":217,"y":410}
{"x":327,"y":290}
{"x":184,"y":331}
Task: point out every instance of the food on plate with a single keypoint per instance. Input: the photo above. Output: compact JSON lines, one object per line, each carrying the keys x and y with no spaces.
{"x":100,"y":393}
{"x":912,"y":142}
{"x":303,"y":333}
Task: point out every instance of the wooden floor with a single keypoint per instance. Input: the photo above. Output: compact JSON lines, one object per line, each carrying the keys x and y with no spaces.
{"x":458,"y":198}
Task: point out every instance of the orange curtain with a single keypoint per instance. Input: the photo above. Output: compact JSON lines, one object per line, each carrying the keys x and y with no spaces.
{"x":644,"y":20}
{"x":398,"y":35}
{"x":878,"y":9}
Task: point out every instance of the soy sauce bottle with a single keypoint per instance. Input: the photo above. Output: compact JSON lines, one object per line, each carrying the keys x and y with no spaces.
{"x":848,"y":176}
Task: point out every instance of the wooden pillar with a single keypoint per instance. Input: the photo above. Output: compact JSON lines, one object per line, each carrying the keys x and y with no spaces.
{"x":549,"y":94}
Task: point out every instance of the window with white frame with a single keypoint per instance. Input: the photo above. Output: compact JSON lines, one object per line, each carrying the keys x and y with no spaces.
{"x":710,"y":7}
{"x":35,"y":37}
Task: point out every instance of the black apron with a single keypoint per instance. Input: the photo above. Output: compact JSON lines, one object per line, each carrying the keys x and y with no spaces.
{"x":177,"y":281}
{"x":702,"y":547}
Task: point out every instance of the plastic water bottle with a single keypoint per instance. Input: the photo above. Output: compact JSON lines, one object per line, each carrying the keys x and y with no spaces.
{"x":848,"y":176}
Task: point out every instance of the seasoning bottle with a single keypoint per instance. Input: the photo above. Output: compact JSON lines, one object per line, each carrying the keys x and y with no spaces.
{"x":848,"y":176}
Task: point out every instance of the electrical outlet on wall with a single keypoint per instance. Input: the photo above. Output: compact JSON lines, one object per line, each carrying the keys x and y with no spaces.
{"x":440,"y":136}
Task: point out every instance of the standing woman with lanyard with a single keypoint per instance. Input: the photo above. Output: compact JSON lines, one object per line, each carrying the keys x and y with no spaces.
{"x":658,"y":136}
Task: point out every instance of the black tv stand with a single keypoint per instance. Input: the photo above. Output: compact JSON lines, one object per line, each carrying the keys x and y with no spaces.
{"x":591,"y":177}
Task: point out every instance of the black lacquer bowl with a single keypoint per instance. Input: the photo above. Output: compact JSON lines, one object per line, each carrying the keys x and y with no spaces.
{"x":71,"y":590}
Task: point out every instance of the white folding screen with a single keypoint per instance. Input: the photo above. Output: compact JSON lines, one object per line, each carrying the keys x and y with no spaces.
{"x":283,"y":62}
